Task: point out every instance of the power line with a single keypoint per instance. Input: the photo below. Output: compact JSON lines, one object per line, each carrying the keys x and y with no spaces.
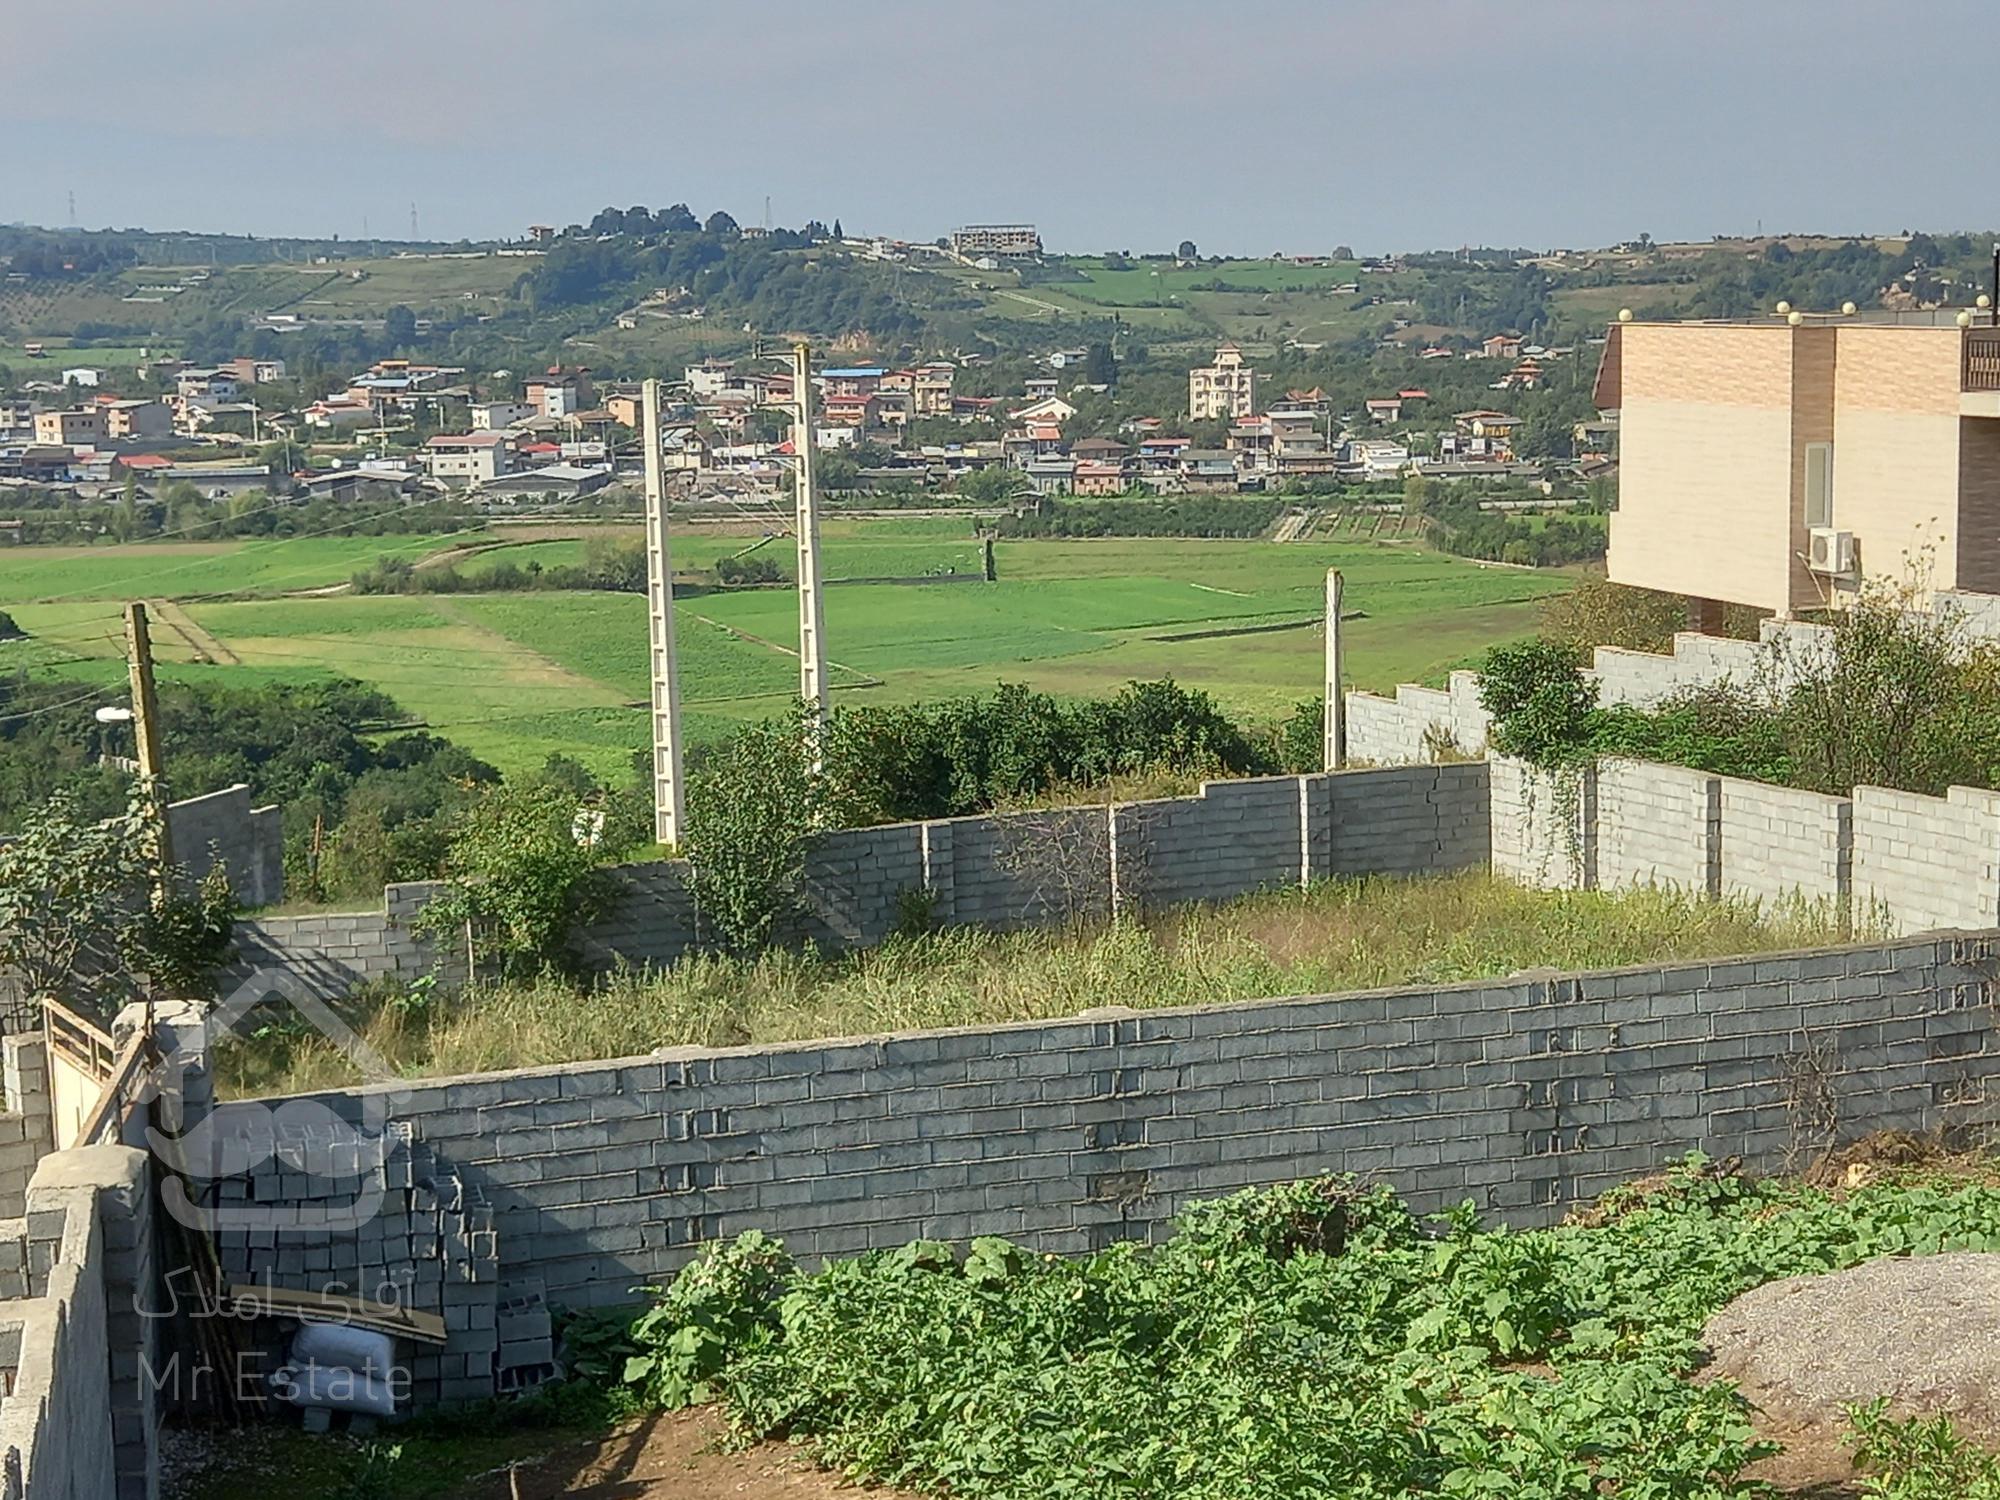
{"x":51,"y":708}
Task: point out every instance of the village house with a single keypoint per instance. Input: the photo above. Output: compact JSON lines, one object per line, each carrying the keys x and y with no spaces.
{"x":1384,"y":408}
{"x":88,"y":377}
{"x":1022,"y":445}
{"x":1047,"y":409}
{"x":1371,"y":459}
{"x":210,"y":385}
{"x":1208,"y":469}
{"x":79,"y":425}
{"x":1100,"y":450}
{"x":931,"y":389}
{"x":1224,"y":390}
{"x":494,"y":416}
{"x":1039,"y":387}
{"x":1161,"y":455}
{"x":468,"y":458}
{"x":1096,"y":477}
{"x":858,"y":380}
{"x":1250,"y":440}
{"x":250,"y":371}
{"x":135,"y":417}
{"x":560,"y":392}
{"x":1501,"y":346}
{"x":1051,"y":474}
{"x":336,"y":412}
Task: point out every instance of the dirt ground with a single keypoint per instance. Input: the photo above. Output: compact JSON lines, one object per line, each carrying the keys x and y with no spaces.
{"x":674,"y":1456}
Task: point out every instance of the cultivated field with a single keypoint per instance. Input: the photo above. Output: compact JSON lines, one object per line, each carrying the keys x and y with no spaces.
{"x":518,"y":676}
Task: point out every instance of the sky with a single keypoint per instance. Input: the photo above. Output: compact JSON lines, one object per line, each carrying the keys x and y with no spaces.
{"x":1249,"y":126}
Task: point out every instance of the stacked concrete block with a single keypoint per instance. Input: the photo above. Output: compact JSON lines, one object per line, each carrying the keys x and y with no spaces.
{"x":1471,"y":724}
{"x":1544,"y":825}
{"x":651,"y":922}
{"x":1658,"y":825}
{"x":1032,"y":869}
{"x":1927,"y":862}
{"x":1780,"y":845}
{"x":857,"y":882}
{"x":26,"y":1126}
{"x":526,"y":1356}
{"x":222,"y":828}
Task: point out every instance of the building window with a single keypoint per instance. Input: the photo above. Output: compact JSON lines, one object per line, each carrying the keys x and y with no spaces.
{"x":1819,"y":484}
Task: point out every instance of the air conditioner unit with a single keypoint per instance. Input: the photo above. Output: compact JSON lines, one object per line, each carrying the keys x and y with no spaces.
{"x":1830,"y":551}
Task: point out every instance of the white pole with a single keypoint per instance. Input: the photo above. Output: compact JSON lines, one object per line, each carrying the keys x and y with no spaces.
{"x":812,"y":620}
{"x":1334,"y":755}
{"x":667,"y":809}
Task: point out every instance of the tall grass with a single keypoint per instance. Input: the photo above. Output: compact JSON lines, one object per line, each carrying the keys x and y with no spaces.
{"x":1343,"y":935}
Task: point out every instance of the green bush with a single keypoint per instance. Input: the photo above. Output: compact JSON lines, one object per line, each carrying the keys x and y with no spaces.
{"x":753,"y":808}
{"x":1308,"y":1339}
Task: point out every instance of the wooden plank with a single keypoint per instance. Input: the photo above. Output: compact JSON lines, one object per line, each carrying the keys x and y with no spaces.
{"x":329,"y":1307}
{"x":111,"y":1102}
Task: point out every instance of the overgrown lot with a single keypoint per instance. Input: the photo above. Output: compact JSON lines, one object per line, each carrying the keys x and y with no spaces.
{"x":1343,"y":935}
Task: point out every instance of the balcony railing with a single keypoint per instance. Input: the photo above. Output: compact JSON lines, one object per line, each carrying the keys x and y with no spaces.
{"x":1981,"y":360}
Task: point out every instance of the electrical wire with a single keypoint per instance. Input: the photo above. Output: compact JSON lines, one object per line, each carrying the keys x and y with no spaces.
{"x":51,"y":708}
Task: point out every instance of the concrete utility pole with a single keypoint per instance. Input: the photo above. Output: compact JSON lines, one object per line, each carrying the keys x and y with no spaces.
{"x":1334,"y":753}
{"x":146,"y":723}
{"x":667,"y":790}
{"x":812,"y":619}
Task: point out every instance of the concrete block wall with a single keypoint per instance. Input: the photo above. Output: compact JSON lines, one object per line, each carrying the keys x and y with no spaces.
{"x":1000,"y":871}
{"x":1544,"y":825}
{"x":1925,"y":862}
{"x":27,"y":1132}
{"x":1779,"y":843}
{"x":248,"y":842}
{"x":1527,"y":1096}
{"x":1658,"y":825}
{"x":82,"y":1418}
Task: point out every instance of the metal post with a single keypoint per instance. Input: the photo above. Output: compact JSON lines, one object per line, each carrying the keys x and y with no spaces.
{"x":812,"y":620}
{"x":1334,"y":752}
{"x":667,"y":809}
{"x":146,"y":724}
{"x":1993,"y":312}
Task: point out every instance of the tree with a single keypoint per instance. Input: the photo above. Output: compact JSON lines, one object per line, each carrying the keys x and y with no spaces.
{"x":997,"y":485}
{"x":753,"y":806}
{"x":1100,"y":366}
{"x":720,"y":223}
{"x":399,"y":326}
{"x":679,"y":219}
{"x":1545,"y":435}
{"x":1187,"y":250}
{"x":67,"y":887}
{"x":837,"y":233}
{"x":521,"y":880}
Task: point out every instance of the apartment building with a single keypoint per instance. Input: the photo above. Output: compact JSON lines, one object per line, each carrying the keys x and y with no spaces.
{"x":469,"y":457}
{"x":1226,"y":389}
{"x":134,"y":418}
{"x":69,"y":428}
{"x":996,"y":239}
{"x":1783,"y":466}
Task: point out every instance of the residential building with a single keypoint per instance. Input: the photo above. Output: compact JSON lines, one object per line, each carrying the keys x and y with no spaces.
{"x":931,"y":390}
{"x":1063,"y":359}
{"x":1160,"y":456}
{"x":541,"y":234}
{"x":1099,"y":450}
{"x":1599,"y":436}
{"x":83,"y":424}
{"x":999,"y":240}
{"x":1047,"y":409}
{"x":1037,"y":440}
{"x":1095,"y":477}
{"x":336,"y":412}
{"x":134,"y":418}
{"x":1051,"y":474}
{"x":1501,"y":346}
{"x":858,"y":380}
{"x":1295,"y":432}
{"x":1480,"y":434}
{"x":1226,"y":389}
{"x":87,"y":376}
{"x":1208,"y":469}
{"x":209,"y":385}
{"x":1782,"y":467}
{"x":560,"y":393}
{"x":1039,"y":387}
{"x":974,"y":408}
{"x":1250,"y":440}
{"x":253,"y":371}
{"x":468,"y":457}
{"x":493,"y":416}
{"x":1384,"y":408}
{"x":17,"y":419}
{"x":709,"y":378}
{"x":1376,"y":458}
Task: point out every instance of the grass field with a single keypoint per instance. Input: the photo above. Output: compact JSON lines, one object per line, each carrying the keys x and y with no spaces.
{"x":516,"y":677}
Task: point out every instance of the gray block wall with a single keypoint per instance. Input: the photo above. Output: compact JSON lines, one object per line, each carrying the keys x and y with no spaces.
{"x":1779,"y":843}
{"x":1927,"y":861}
{"x":1658,"y":825}
{"x":1526,"y":1096}
{"x":248,"y":842}
{"x":1002,"y":872}
{"x":27,"y":1125}
{"x":1545,"y":825}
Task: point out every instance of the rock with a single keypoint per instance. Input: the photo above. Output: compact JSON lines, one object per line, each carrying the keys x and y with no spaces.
{"x":1923,"y":1331}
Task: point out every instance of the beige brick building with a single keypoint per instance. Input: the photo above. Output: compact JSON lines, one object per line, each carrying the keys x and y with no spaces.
{"x":1226,"y":389}
{"x":1781,"y":466}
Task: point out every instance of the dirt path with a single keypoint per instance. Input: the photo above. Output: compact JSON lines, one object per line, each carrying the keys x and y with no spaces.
{"x":205,"y":647}
{"x":676,"y":1456}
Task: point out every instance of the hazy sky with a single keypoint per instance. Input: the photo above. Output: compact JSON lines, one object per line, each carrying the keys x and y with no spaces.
{"x":1249,"y":125}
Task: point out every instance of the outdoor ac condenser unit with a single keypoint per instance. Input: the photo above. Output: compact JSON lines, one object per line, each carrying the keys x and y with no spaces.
{"x":1830,"y":551}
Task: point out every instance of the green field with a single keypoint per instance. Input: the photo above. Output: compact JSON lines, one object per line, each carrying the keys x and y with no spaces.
{"x":516,"y":677}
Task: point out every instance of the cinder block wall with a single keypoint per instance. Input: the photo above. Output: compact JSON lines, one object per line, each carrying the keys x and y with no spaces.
{"x":27,"y":1125}
{"x":1544,"y":825}
{"x":1777,"y":842}
{"x":1658,"y":825}
{"x":1526,"y":1096}
{"x":248,"y":842}
{"x":1928,"y":861}
{"x":1003,"y":871}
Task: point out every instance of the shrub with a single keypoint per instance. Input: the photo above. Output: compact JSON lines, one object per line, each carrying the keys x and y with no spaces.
{"x":1541,"y":703}
{"x":187,"y":932}
{"x":753,"y":806}
{"x":68,"y":888}
{"x":520,"y":880}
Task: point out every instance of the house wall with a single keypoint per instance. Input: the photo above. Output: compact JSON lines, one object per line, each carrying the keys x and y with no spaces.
{"x":1895,"y":451}
{"x":1978,"y":562}
{"x":1700,"y":401}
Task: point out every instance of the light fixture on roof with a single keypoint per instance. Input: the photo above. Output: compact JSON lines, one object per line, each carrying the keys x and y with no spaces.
{"x":1847,"y":309}
{"x":1624,"y":314}
{"x":1795,"y":318}
{"x":1982,"y":300}
{"x":1783,"y":308}
{"x":1965,"y":320}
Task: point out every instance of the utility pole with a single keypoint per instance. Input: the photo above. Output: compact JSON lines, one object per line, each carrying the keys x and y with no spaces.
{"x":146,"y":722}
{"x":667,"y":786}
{"x":1334,"y":753}
{"x":812,"y":620}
